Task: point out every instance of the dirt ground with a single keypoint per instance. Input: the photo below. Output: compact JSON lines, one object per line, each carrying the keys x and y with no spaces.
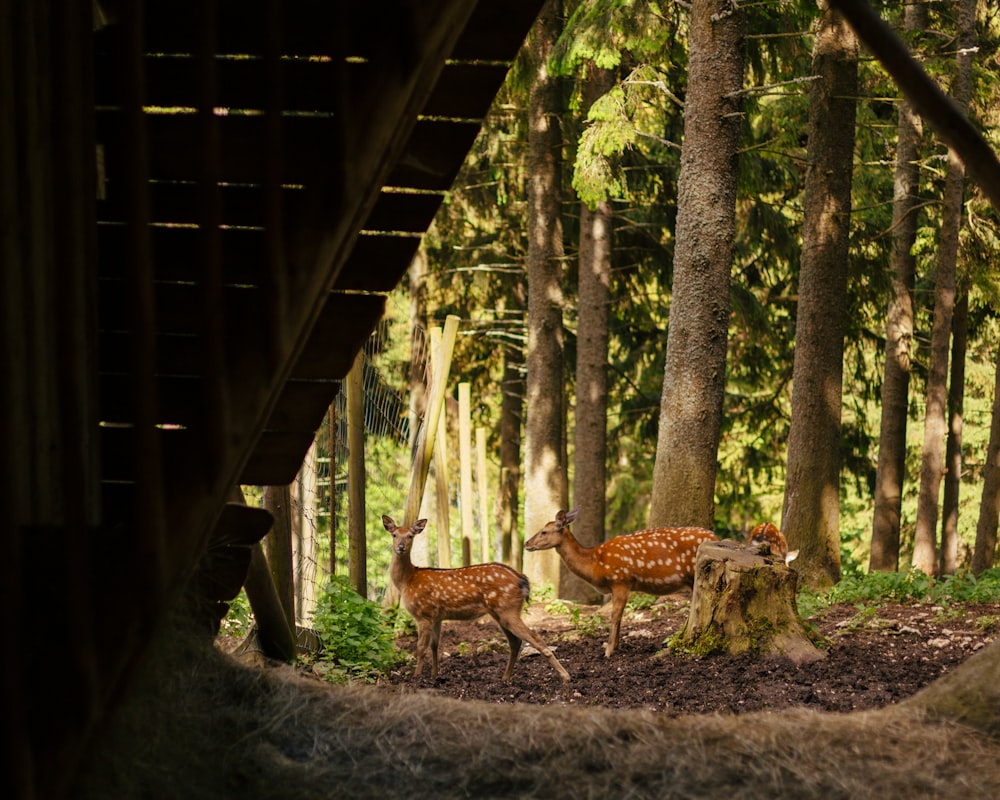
{"x":876,"y":657}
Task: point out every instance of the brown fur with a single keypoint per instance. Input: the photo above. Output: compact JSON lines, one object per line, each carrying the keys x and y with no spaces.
{"x":434,"y":595}
{"x":657,"y":561}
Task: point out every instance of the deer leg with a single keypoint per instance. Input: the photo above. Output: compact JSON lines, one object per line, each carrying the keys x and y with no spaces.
{"x":619,"y":594}
{"x":518,"y":628}
{"x":515,"y":650}
{"x":423,"y":635}
{"x":435,"y":628}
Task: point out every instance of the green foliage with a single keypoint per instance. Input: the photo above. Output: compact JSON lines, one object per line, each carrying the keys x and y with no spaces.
{"x":357,"y":635}
{"x":583,"y":624}
{"x":239,"y":619}
{"x":608,"y":32}
{"x":627,"y":149}
{"x":901,"y":587}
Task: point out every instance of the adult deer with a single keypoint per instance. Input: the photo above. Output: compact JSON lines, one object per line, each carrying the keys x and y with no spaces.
{"x":656,"y":561}
{"x":433,"y":595}
{"x":767,"y":536}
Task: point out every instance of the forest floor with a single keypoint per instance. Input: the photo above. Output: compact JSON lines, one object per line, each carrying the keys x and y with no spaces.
{"x":876,"y":656}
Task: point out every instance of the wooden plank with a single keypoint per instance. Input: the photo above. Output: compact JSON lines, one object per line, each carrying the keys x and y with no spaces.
{"x":433,"y":154}
{"x":309,"y":155}
{"x":177,"y":203}
{"x":463,"y":91}
{"x":340,"y":332}
{"x":175,"y":250}
{"x":370,"y":141}
{"x":301,"y":406}
{"x":496,"y":30}
{"x":276,"y":459}
{"x":430,"y":159}
{"x":377,"y":263}
{"x":178,"y":400}
{"x":118,"y":457}
{"x":403,"y":212}
{"x":307,"y":27}
{"x":177,"y":309}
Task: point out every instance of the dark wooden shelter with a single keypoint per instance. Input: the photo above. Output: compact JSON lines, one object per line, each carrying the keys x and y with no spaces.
{"x":203,"y":204}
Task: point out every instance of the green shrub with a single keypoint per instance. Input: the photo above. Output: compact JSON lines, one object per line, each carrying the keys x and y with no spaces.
{"x":877,"y":588}
{"x":239,"y":619}
{"x":357,"y":635}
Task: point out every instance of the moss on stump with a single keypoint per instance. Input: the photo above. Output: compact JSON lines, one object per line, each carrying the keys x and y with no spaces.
{"x":744,"y":602}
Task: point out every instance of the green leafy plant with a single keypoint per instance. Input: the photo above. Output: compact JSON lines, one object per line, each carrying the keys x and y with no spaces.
{"x":239,"y":619}
{"x":640,"y":600}
{"x":357,"y":635}
{"x":902,"y":587}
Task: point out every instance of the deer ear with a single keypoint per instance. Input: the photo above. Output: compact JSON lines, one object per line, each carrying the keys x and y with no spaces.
{"x":418,"y":526}
{"x":569,"y":516}
{"x":389,"y":522}
{"x":792,"y":555}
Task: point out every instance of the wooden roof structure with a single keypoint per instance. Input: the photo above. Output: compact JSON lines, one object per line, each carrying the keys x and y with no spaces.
{"x":203,"y":206}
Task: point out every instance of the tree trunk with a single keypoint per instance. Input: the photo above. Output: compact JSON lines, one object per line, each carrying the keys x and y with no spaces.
{"x":743,"y":602}
{"x":891,"y":468}
{"x":932,"y":464}
{"x":953,"y":457}
{"x":591,"y":421}
{"x":511,"y":549}
{"x":989,"y":507}
{"x":697,"y":335}
{"x":811,"y":514}
{"x":545,"y":470}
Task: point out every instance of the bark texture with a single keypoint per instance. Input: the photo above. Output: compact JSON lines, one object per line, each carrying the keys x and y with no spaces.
{"x":811,"y":518}
{"x":545,"y":468}
{"x":898,"y":331}
{"x":591,"y":419}
{"x":989,"y":507}
{"x":510,"y":457}
{"x":932,"y":461}
{"x":953,"y":454}
{"x":697,"y":336}
{"x":744,"y":602}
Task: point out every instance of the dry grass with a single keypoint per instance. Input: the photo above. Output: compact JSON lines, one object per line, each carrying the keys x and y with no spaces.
{"x":201,"y":725}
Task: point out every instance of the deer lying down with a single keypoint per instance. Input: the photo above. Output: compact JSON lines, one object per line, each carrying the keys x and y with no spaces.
{"x":767,"y":536}
{"x":432,"y":595}
{"x":656,"y":561}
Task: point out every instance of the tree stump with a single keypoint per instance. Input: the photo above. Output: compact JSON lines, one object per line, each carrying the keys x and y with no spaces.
{"x":744,"y":601}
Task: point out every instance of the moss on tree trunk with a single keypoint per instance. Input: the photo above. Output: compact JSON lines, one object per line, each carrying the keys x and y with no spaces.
{"x":743,"y":602}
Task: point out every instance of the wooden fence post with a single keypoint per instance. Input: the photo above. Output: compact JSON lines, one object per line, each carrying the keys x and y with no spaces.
{"x":484,"y":520}
{"x":465,"y":461}
{"x":357,"y":558}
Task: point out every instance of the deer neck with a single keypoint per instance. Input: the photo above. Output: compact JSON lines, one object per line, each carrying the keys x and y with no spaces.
{"x":401,"y":569}
{"x":577,"y":557}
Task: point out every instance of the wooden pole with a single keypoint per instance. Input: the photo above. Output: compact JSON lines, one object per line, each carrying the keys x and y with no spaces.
{"x":275,"y":628}
{"x":278,"y":544}
{"x":441,"y":472}
{"x":484,"y":520}
{"x":357,"y":553}
{"x":332,"y":430}
{"x":428,"y":432}
{"x":465,"y":461}
{"x":304,"y":547}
